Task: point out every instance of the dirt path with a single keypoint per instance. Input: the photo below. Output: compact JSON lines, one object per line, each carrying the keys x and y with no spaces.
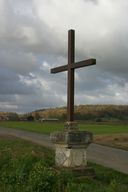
{"x":106,"y":156}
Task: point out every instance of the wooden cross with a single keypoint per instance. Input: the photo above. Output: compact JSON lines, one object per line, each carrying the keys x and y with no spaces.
{"x":70,"y":67}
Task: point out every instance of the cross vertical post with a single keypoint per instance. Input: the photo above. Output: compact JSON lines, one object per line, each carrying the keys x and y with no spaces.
{"x":70,"y":68}
{"x":70,"y":82}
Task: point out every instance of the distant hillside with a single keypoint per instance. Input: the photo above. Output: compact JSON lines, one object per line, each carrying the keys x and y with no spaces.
{"x":86,"y":113}
{"x":96,"y":113}
{"x":8,"y":116}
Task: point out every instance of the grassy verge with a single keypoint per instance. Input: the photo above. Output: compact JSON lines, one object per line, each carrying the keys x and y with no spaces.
{"x":27,"y":167}
{"x":45,"y":128}
{"x":113,"y":140}
{"x":49,"y":127}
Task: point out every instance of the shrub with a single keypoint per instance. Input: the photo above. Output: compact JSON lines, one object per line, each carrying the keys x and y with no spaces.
{"x":42,"y":179}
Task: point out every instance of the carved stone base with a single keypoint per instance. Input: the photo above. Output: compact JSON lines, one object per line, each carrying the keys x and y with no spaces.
{"x":70,"y":146}
{"x":79,"y":172}
{"x":70,"y":157}
{"x":83,"y":171}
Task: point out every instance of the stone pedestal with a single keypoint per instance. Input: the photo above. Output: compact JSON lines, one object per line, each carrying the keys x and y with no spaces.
{"x":70,"y":147}
{"x":70,"y":157}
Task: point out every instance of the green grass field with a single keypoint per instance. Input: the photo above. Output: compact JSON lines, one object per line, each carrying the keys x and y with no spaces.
{"x":27,"y":167}
{"x":48,"y":127}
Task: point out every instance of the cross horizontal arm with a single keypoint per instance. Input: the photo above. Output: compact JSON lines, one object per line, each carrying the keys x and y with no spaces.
{"x":59,"y":69}
{"x":83,"y":63}
{"x":74,"y":65}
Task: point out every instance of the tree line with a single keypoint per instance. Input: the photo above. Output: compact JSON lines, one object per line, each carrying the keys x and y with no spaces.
{"x":97,"y":113}
{"x":86,"y":112}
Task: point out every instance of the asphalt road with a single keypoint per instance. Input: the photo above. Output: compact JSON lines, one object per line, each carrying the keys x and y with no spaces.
{"x":107,"y":156}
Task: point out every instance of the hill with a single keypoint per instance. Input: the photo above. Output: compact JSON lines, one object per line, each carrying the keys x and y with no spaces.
{"x":97,"y":113}
{"x":5,"y":116}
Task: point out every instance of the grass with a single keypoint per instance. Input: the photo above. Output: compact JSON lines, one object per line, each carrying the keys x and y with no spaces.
{"x":48,"y":127}
{"x":114,"y":140}
{"x":105,"y":129}
{"x":28,"y":167}
{"x":45,"y":128}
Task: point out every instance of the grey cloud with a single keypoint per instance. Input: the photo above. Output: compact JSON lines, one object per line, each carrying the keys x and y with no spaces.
{"x":18,"y":62}
{"x":93,"y":1}
{"x":33,"y":41}
{"x":10,"y":85}
{"x":26,"y":31}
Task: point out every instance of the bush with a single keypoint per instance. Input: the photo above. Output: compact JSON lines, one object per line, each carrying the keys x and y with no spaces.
{"x":31,"y":172}
{"x":42,"y":179}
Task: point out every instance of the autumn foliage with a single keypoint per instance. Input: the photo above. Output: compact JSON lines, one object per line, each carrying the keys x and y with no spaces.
{"x":86,"y":112}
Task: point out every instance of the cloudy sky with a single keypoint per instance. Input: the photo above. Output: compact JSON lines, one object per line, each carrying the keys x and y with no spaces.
{"x":33,"y":39}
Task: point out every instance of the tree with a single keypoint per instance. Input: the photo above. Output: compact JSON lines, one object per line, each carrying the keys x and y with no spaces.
{"x":30,"y":118}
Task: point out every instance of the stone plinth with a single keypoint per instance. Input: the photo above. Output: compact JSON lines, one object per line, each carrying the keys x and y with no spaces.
{"x":70,"y":148}
{"x":72,"y":138}
{"x":70,"y":157}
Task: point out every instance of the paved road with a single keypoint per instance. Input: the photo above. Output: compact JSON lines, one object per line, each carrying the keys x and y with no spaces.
{"x":106,"y":156}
